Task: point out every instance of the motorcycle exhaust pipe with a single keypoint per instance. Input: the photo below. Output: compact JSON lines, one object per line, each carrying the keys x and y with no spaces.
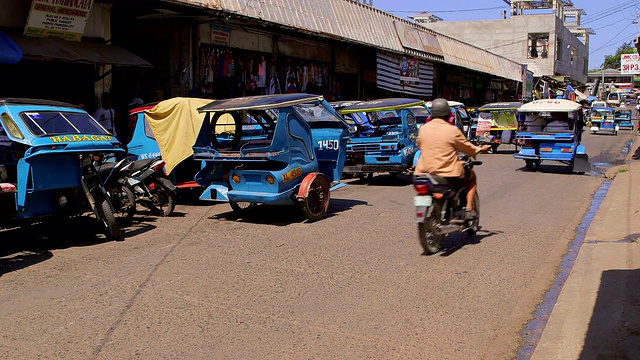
{"x":448,"y":229}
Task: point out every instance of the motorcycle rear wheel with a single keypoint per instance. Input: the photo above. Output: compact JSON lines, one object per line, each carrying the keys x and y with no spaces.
{"x":430,"y":241}
{"x":112,"y":230}
{"x":163,"y":201}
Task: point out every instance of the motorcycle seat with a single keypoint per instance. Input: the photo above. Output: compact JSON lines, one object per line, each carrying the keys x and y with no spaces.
{"x":106,"y":167}
{"x":139,"y":164}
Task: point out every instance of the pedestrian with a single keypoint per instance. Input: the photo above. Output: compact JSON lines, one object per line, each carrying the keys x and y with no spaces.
{"x":105,"y":114}
{"x":638,"y":110}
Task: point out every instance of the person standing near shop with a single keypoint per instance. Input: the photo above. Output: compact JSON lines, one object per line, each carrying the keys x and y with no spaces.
{"x":105,"y":114}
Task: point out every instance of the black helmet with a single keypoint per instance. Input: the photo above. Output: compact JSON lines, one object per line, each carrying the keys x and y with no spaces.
{"x":440,"y":109}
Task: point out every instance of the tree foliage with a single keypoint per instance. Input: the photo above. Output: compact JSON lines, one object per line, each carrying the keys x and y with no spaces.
{"x":613,"y":61}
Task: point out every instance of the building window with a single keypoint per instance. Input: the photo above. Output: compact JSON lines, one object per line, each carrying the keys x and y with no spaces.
{"x":559,"y":49}
{"x":538,"y":46}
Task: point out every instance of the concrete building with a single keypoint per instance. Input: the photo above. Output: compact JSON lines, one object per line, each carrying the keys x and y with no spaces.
{"x":550,"y":44}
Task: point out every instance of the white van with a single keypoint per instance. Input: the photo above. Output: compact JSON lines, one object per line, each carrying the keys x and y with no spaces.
{"x":613,"y":99}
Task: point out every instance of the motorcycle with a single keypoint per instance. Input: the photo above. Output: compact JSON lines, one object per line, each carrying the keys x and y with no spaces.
{"x":97,"y":196}
{"x":441,"y":211}
{"x":151,"y":186}
{"x":114,"y":179}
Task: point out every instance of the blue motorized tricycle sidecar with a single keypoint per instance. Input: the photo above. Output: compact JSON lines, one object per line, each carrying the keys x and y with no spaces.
{"x":297,"y":157}
{"x":46,"y":148}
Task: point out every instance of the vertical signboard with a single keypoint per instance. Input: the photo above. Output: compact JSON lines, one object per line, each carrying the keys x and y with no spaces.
{"x":220,"y":35}
{"x":63,"y":19}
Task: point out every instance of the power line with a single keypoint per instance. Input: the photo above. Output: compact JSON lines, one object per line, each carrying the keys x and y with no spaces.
{"x":613,"y":38}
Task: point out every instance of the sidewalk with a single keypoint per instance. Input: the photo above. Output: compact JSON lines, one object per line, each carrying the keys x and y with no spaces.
{"x":597,"y":315}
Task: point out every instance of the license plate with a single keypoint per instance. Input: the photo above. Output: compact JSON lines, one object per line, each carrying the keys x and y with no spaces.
{"x":422,"y":200}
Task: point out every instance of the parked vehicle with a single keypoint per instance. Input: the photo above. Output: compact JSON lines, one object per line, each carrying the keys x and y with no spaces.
{"x":169,"y":129}
{"x":151,"y":186}
{"x":113,"y":175}
{"x":498,"y":123}
{"x":391,"y":144}
{"x":613,"y":99}
{"x":441,"y":210}
{"x":598,"y":104}
{"x":624,"y":119}
{"x":603,"y":120}
{"x":46,"y":163}
{"x":559,"y":140}
{"x":297,"y":159}
{"x":460,"y":117}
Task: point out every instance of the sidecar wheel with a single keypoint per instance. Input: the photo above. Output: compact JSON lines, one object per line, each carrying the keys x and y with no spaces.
{"x":242,"y":207}
{"x":315,"y":195}
{"x":112,"y":230}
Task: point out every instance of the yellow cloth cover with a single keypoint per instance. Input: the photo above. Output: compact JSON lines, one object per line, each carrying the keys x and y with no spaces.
{"x":175,"y":123}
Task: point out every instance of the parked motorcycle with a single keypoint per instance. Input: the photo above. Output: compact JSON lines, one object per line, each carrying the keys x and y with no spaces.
{"x":114,"y":178}
{"x":151,"y":186}
{"x":441,"y":210}
{"x":97,"y":196}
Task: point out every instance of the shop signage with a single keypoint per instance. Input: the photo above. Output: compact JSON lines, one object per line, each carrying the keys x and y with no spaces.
{"x":63,"y":19}
{"x":415,"y":39}
{"x":630,"y":64}
{"x":220,"y":35}
{"x":409,"y":70}
{"x":430,"y":43}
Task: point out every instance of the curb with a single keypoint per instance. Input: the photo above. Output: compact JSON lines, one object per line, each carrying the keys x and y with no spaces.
{"x":624,"y":157}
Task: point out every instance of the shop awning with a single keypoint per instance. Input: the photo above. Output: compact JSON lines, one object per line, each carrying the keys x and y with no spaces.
{"x":10,"y":53}
{"x":83,"y":52}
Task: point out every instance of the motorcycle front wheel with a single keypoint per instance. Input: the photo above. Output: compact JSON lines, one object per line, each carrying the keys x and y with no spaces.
{"x":163,"y":201}
{"x":430,"y":241}
{"x":107,"y":218}
{"x":124,"y":203}
{"x":474,"y":225}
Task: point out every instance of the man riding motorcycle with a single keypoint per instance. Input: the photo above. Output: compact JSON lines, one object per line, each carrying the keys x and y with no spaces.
{"x":439,"y":143}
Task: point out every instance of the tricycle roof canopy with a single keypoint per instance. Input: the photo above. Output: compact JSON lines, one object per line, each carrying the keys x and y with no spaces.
{"x":381,"y":105}
{"x":262,"y":102}
{"x":557,"y":105}
{"x":26,"y":101}
{"x":500,"y":106}
{"x":603,"y":109}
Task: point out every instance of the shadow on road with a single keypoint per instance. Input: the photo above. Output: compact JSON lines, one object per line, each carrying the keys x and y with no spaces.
{"x":636,"y":155}
{"x":285,"y":215}
{"x":31,"y":244}
{"x":614,"y":329}
{"x":383,"y":179}
{"x":457,"y":241}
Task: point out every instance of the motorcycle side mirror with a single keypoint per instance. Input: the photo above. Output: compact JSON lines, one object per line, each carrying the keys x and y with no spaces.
{"x":352,"y":129}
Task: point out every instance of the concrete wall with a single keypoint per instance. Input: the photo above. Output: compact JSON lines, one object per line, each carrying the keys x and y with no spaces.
{"x":509,"y":38}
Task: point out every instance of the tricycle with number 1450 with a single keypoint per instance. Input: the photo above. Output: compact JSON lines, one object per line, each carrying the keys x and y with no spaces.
{"x":297,"y":158}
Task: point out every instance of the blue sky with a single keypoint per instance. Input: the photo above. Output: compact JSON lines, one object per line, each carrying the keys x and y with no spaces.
{"x":612,"y":20}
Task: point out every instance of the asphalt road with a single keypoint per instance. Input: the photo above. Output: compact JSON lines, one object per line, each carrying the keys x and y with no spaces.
{"x":205,"y":284}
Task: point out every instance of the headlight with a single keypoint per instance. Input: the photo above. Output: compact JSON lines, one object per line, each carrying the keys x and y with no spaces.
{"x":270,"y":179}
{"x":235,"y":178}
{"x":62,"y":200}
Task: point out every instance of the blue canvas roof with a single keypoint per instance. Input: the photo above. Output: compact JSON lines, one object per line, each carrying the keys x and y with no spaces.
{"x":381,"y":105}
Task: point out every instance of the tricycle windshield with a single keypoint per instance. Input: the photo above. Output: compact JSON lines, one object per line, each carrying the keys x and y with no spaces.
{"x":315,"y":113}
{"x":623,"y":114}
{"x":501,"y":118}
{"x":61,"y":122}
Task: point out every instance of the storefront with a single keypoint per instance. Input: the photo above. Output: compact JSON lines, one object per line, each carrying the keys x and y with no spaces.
{"x":404,"y":74}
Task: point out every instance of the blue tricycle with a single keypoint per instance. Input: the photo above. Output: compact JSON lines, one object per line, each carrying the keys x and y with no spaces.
{"x":47,"y":151}
{"x":556,"y":137}
{"x":603,"y":120}
{"x":296,"y":158}
{"x":623,"y":119}
{"x":389,"y":142}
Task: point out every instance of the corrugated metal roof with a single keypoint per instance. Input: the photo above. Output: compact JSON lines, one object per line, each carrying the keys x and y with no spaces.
{"x":358,"y":23}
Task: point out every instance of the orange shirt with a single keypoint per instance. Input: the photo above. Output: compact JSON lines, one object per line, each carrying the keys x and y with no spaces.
{"x":439,"y":142}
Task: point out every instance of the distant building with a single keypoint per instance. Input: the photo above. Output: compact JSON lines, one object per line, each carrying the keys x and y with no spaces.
{"x":613,"y":80}
{"x":552,"y":44}
{"x":424,"y":17}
